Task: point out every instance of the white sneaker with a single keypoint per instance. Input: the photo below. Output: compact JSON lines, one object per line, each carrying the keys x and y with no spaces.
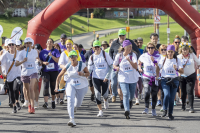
{"x":25,"y":104}
{"x":75,"y":109}
{"x":154,"y":112}
{"x":36,"y":105}
{"x":56,"y":101}
{"x":106,"y":104}
{"x":65,"y":97}
{"x":100,"y":114}
{"x":71,"y":123}
{"x":146,"y":111}
{"x":137,"y":102}
{"x":110,"y":98}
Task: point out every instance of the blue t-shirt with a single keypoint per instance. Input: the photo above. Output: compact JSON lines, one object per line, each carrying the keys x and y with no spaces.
{"x":141,"y":50}
{"x":62,"y":47}
{"x":53,"y":66}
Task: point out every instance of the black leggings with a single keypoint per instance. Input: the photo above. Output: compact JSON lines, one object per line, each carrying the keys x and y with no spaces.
{"x":49,"y":77}
{"x":98,"y":84}
{"x":187,"y":87}
{"x":14,"y":90}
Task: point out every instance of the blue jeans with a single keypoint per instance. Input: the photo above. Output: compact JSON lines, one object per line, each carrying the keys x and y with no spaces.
{"x":128,"y":91}
{"x":169,"y":95}
{"x":114,"y":75}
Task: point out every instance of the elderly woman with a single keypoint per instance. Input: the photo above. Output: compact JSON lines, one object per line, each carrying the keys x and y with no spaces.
{"x":188,"y":78}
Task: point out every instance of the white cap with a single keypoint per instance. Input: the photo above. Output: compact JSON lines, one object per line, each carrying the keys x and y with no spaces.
{"x":28,"y":39}
{"x":11,"y":41}
{"x":18,"y":42}
{"x":6,"y":42}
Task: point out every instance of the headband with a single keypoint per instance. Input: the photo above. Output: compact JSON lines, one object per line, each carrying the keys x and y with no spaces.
{"x":69,"y":41}
{"x":185,"y":44}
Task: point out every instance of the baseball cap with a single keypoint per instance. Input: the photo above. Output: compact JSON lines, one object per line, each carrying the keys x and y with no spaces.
{"x":28,"y":39}
{"x":18,"y":42}
{"x":104,"y":42}
{"x":11,"y":41}
{"x":6,"y":42}
{"x":73,"y":52}
{"x":96,"y":43}
{"x":121,"y":32}
{"x":63,"y":35}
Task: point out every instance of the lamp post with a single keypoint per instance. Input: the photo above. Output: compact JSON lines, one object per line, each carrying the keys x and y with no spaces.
{"x":71,"y":25}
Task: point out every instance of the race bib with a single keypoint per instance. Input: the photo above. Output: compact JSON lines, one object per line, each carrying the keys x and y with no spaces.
{"x":101,"y":66}
{"x":29,"y":65}
{"x":170,"y":71}
{"x":127,"y":68}
{"x":76,"y":82}
{"x":50,"y":66}
{"x":149,"y":69}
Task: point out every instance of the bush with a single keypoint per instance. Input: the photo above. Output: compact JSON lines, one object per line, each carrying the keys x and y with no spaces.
{"x":8,"y":12}
{"x":99,"y":13}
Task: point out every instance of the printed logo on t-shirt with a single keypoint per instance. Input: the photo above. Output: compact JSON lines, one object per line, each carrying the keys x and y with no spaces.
{"x":45,"y":55}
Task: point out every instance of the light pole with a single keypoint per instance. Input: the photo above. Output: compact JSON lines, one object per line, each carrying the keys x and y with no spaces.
{"x":71,"y":25}
{"x":128,"y":21}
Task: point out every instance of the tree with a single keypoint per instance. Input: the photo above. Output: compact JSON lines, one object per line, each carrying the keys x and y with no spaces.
{"x":99,"y":13}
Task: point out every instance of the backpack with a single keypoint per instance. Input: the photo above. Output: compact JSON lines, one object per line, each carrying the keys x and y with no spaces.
{"x":79,"y":66}
{"x":104,"y":55}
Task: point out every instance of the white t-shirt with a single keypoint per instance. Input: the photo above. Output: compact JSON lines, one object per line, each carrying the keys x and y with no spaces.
{"x":6,"y":61}
{"x":149,"y":67}
{"x":72,"y":78}
{"x":189,"y":68}
{"x":99,"y":66}
{"x":168,"y":69}
{"x":28,"y":67}
{"x":127,"y":73}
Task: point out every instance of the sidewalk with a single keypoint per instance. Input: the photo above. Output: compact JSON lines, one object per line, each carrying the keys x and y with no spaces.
{"x":55,"y":120}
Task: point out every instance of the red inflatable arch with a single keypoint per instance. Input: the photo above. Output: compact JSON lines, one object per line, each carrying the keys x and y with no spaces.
{"x":41,"y":26}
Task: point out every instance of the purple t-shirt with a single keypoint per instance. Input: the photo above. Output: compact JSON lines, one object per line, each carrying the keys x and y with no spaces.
{"x":53,"y":66}
{"x":62,"y":47}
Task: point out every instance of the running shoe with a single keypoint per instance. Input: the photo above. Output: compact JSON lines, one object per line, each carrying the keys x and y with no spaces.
{"x":100,"y":114}
{"x":137,"y":102}
{"x":187,"y":101}
{"x":164,"y":113}
{"x":110,"y":98}
{"x":22,"y":101}
{"x":29,"y":108}
{"x":14,"y":109}
{"x":65,"y":98}
{"x":191,"y":110}
{"x":146,"y":111}
{"x":106,"y":104}
{"x":159,"y":103}
{"x":161,"y":110}
{"x":53,"y":105}
{"x":11,"y":105}
{"x":175,"y":103}
{"x":18,"y":106}
{"x":114,"y":99}
{"x":71,"y":123}
{"x":25,"y":104}
{"x":127,"y":114}
{"x":56,"y":101}
{"x":180,"y":101}
{"x":121,"y":104}
{"x":170,"y":117}
{"x":130,"y":104}
{"x":61,"y":102}
{"x":32,"y":110}
{"x":45,"y":105}
{"x":36,"y":105}
{"x":92,"y":97}
{"x":154,"y":112}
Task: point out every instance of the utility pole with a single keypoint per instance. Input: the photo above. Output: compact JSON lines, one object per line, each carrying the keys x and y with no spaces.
{"x":128,"y":21}
{"x":157,"y":27}
{"x":154,"y":14}
{"x":88,"y":18}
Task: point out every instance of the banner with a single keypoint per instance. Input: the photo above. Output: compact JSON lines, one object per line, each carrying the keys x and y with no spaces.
{"x":1,"y":30}
{"x":17,"y":33}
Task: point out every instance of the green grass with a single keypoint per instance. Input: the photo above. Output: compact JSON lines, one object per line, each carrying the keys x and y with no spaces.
{"x":79,"y":25}
{"x":175,"y":29}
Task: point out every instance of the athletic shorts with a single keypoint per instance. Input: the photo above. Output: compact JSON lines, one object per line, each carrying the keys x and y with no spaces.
{"x":26,"y":79}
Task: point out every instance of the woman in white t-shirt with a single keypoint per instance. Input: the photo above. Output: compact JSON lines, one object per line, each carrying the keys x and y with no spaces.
{"x":188,"y":78}
{"x":149,"y":61}
{"x":76,"y":84}
{"x":29,"y":73}
{"x":12,"y":76}
{"x":126,"y":64}
{"x":169,"y":68}
{"x":100,"y":64}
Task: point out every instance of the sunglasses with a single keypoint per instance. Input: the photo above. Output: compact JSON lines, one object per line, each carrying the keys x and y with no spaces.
{"x":121,"y":35}
{"x":170,"y":51}
{"x":72,"y":56}
{"x":163,"y":49}
{"x":176,"y":42}
{"x":18,"y":45}
{"x":97,"y":47}
{"x":151,"y":48}
{"x":12,"y":44}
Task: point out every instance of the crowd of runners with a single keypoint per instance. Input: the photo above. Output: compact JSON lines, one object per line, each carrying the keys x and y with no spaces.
{"x":162,"y":75}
